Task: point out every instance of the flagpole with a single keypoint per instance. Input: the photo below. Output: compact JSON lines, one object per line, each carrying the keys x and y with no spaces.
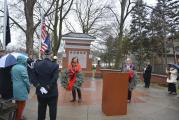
{"x":5,"y":24}
{"x":40,"y":39}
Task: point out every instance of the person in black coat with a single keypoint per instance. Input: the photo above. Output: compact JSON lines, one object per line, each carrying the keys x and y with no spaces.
{"x":46,"y":76}
{"x":147,"y":75}
{"x":6,"y":83}
{"x":30,"y":66}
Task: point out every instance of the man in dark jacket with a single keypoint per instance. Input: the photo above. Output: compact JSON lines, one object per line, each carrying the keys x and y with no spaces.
{"x":147,"y":75}
{"x":30,"y":66}
{"x":45,"y":81}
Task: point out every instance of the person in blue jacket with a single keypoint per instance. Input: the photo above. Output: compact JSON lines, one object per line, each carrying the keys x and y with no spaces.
{"x":21,"y":85}
{"x":45,"y":80}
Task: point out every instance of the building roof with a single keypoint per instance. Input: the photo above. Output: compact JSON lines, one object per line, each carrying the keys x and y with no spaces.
{"x":78,"y":36}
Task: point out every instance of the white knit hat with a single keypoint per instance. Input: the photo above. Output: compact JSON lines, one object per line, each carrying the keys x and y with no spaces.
{"x":55,"y":57}
{"x":128,"y":59}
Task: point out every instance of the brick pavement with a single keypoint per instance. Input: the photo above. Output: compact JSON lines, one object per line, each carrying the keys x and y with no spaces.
{"x":147,"y":104}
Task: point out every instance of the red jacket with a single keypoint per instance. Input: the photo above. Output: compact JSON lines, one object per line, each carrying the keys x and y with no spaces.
{"x":131,"y":75}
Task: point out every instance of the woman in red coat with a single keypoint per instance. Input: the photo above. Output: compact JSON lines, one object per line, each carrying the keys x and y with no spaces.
{"x":73,"y":69}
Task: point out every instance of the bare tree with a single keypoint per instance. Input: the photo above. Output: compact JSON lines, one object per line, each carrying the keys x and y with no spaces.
{"x":126,"y":6}
{"x":28,"y":13}
{"x":61,"y":8}
{"x":90,"y":14}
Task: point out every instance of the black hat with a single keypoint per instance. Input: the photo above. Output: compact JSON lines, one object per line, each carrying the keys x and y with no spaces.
{"x":47,"y":52}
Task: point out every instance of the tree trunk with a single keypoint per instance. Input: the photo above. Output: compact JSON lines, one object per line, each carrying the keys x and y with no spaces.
{"x":174,"y":52}
{"x":119,"y":54}
{"x":28,"y":8}
{"x":55,"y":36}
{"x":60,"y":18}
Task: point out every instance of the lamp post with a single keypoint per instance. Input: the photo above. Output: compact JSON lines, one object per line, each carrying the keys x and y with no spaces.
{"x":98,"y":61}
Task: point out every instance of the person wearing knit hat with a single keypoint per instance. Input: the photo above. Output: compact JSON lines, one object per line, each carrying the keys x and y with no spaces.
{"x":129,"y":67}
{"x":47,"y":52}
{"x":46,"y":76}
{"x":54,"y":59}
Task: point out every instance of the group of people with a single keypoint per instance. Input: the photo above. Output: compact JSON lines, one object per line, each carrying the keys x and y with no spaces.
{"x":43,"y":74}
{"x":171,"y":71}
{"x":133,"y":77}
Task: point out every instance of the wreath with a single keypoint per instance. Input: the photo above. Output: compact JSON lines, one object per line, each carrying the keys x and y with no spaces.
{"x":66,"y":79}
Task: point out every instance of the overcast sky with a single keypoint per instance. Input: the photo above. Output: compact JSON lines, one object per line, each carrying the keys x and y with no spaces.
{"x":151,"y":2}
{"x":15,"y":35}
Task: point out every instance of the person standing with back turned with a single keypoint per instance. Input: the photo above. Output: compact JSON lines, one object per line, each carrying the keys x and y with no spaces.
{"x":46,"y":76}
{"x":21,"y":85}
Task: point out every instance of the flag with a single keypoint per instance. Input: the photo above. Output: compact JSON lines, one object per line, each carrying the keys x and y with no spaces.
{"x":45,"y":38}
{"x":8,"y":32}
{"x":44,"y":32}
{"x":46,"y":44}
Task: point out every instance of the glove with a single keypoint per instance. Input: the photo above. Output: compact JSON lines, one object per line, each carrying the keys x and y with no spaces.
{"x":43,"y":90}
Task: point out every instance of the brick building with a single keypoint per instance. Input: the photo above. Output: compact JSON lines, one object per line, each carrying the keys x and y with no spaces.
{"x":78,"y":44}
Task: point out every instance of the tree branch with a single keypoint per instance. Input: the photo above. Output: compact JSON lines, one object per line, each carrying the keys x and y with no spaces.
{"x":68,"y":9}
{"x":114,"y":14}
{"x":18,"y":25}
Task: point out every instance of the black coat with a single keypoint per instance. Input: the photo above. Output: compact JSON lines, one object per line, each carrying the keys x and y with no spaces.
{"x":30,"y":65}
{"x":6,"y":83}
{"x":45,"y":74}
{"x":147,"y":73}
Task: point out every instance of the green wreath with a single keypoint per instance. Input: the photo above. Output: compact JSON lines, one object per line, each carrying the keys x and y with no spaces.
{"x":65,"y":79}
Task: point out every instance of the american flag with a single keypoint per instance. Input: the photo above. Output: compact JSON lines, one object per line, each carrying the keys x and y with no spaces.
{"x":44,"y":33}
{"x":45,"y":38}
{"x":46,"y":44}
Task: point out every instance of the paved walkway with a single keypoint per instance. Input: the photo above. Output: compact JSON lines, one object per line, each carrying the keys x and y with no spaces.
{"x":147,"y":104}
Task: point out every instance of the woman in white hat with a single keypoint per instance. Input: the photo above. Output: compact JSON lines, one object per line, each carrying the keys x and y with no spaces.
{"x":171,"y":79}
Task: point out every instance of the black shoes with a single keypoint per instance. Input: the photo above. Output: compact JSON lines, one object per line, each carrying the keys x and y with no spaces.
{"x":172,"y":93}
{"x":79,"y":101}
{"x":72,"y":100}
